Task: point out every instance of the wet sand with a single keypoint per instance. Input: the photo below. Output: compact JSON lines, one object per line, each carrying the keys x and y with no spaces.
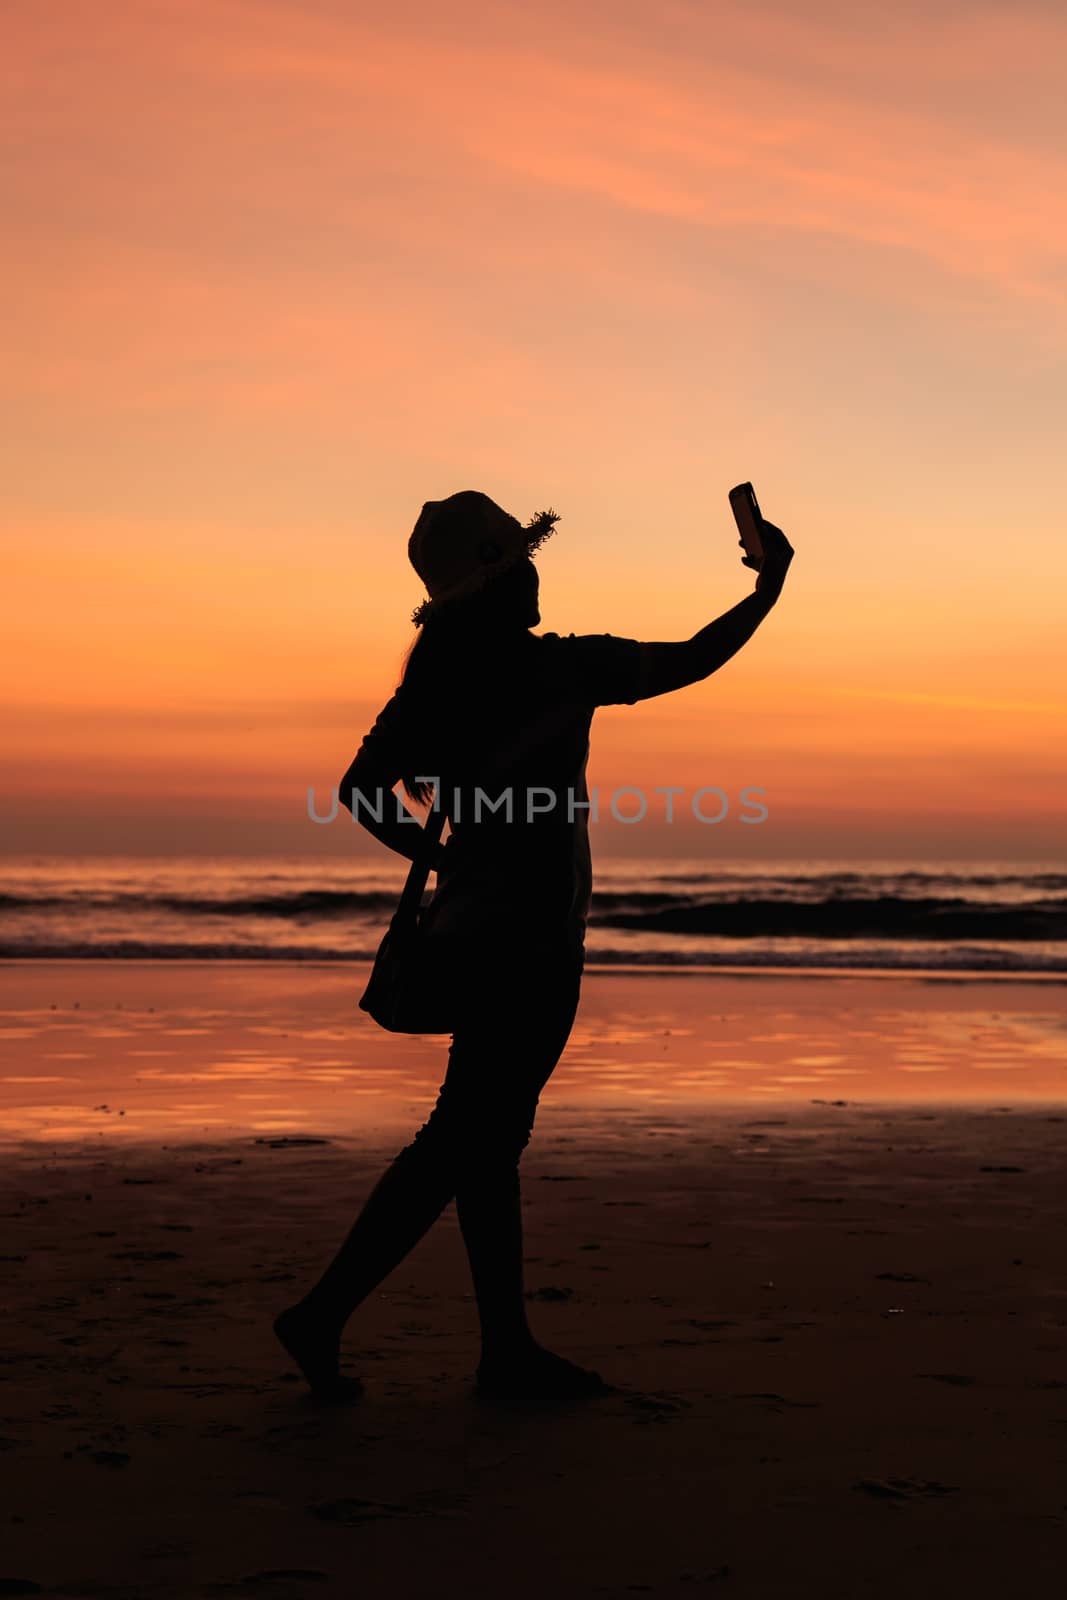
{"x":831,"y":1290}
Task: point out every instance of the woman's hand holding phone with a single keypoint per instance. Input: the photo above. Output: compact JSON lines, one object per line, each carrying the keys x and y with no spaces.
{"x":766,"y":549}
{"x":777,"y":554}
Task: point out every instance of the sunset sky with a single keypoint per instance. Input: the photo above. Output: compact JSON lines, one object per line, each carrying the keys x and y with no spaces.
{"x":277,"y":273}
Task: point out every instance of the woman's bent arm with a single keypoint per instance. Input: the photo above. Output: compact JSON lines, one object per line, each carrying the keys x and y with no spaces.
{"x":365,"y":790}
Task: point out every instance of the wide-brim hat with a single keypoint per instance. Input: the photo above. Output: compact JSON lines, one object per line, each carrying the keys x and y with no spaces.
{"x":459,"y":544}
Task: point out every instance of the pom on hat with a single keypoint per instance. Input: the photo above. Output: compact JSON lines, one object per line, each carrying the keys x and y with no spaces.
{"x":539,"y":528}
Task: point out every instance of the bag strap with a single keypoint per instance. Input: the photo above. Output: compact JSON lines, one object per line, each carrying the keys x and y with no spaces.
{"x":419,"y":870}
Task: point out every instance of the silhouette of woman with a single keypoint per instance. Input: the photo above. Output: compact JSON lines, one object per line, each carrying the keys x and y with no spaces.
{"x":488,"y":708}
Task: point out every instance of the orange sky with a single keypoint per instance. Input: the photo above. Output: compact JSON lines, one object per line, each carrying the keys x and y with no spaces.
{"x":280,"y":273}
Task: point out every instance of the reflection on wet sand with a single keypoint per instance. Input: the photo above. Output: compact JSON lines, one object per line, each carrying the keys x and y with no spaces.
{"x":271,"y":1048}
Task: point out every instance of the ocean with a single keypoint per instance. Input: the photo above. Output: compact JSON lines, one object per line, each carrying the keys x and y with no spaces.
{"x":941,"y":916}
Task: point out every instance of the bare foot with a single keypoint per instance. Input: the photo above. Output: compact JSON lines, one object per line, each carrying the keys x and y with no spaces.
{"x":315,"y":1346}
{"x":535,"y":1378}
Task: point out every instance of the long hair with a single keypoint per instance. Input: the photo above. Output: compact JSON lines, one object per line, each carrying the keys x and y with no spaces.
{"x":450,"y":661}
{"x":431,"y":661}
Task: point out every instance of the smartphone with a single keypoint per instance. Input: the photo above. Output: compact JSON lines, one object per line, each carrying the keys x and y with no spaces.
{"x":745,"y":507}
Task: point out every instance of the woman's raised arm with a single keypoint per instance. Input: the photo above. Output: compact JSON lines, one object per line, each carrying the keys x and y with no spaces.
{"x":676,"y":664}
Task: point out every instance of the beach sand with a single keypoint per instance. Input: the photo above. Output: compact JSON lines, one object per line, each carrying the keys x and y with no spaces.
{"x":813,"y":1227}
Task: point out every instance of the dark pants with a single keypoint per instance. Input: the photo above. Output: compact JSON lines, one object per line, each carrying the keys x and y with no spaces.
{"x":509,"y":1036}
{"x":511,"y":1033}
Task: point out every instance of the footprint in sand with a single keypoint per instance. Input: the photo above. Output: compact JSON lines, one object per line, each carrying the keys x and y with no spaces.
{"x":351,"y":1511}
{"x":291,"y":1141}
{"x":655,"y":1407}
{"x":109,"y":1458}
{"x":274,"y":1578}
{"x":898,"y":1489}
{"x":777,"y":1401}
